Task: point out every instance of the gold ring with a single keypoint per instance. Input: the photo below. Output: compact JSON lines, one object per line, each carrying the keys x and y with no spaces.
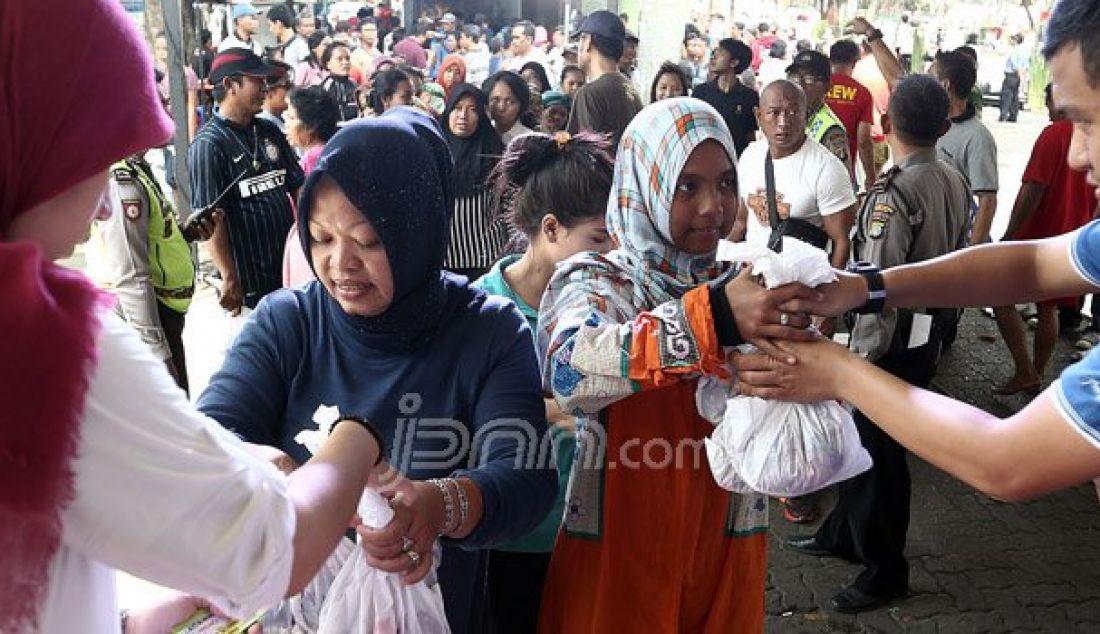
{"x":406,"y":544}
{"x":414,"y":557}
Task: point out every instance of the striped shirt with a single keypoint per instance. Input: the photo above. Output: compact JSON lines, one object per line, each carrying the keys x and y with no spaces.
{"x":249,"y":173}
{"x":477,"y":238}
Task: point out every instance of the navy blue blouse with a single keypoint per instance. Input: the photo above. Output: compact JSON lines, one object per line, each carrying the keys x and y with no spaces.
{"x":466,"y":403}
{"x":479,"y":374}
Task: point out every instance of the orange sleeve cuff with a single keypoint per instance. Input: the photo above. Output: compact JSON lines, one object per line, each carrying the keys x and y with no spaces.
{"x":654,"y":365}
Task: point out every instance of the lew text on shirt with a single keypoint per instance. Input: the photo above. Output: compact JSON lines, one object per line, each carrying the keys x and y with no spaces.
{"x":841,"y":93}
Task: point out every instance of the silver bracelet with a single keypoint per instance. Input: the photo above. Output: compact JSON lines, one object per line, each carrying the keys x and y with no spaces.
{"x":463,"y":503}
{"x":448,"y":506}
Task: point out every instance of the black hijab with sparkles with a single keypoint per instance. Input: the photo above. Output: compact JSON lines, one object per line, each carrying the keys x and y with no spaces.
{"x":476,"y":155}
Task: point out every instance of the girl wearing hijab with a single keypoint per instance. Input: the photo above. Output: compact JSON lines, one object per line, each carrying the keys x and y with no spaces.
{"x":337,"y":61}
{"x":654,"y":545}
{"x":104,"y":463}
{"x":452,"y":72}
{"x":478,"y":236}
{"x":380,"y":334}
{"x":572,"y":177}
{"x":509,"y":104}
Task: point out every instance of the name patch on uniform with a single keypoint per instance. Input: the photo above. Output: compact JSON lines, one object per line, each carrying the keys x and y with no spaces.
{"x":131,"y":209}
{"x":880,"y":216}
{"x":256,"y":185}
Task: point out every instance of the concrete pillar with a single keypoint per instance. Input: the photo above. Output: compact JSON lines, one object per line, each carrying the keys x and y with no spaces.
{"x":661,"y":36}
{"x":588,"y":6}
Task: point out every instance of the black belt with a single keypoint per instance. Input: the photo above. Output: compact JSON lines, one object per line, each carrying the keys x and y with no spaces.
{"x":186,"y":292}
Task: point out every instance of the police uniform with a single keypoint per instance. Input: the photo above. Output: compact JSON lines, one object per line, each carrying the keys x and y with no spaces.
{"x":915,"y":211}
{"x":140,"y":254}
{"x":827,"y":129}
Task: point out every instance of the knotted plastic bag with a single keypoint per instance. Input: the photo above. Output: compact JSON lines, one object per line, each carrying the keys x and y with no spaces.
{"x":780,"y":448}
{"x":366,"y":600}
{"x":362,"y":599}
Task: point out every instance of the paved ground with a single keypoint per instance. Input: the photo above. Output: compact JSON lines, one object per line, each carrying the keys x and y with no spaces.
{"x":977,"y":565}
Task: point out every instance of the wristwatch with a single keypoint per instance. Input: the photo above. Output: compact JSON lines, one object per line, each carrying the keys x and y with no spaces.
{"x":876,"y":288}
{"x":874,"y":36}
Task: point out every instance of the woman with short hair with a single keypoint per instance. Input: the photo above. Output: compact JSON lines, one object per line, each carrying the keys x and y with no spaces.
{"x":509,"y":104}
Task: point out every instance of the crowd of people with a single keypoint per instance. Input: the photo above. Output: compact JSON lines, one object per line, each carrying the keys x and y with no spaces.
{"x":498,"y":266}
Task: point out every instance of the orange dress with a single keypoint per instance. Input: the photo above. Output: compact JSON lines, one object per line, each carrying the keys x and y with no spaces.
{"x":650,"y":542}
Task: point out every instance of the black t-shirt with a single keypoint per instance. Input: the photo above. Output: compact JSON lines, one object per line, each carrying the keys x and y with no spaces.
{"x":735,"y":106}
{"x":606,"y":105}
{"x":249,"y":172}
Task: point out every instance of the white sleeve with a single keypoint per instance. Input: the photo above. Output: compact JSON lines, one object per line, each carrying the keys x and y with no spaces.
{"x":166,"y":494}
{"x":834,"y":187}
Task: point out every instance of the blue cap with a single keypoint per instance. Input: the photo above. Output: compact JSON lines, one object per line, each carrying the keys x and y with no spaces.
{"x":241,"y":10}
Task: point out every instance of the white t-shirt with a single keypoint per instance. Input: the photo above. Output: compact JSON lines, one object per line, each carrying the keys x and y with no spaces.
{"x":516,"y":63}
{"x":517,"y":129}
{"x":296,"y":51}
{"x":165,"y":494}
{"x":478,"y":60}
{"x":809,"y":184}
{"x":232,"y":41}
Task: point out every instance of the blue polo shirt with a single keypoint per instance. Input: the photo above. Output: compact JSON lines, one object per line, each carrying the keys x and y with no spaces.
{"x":1077,"y":390}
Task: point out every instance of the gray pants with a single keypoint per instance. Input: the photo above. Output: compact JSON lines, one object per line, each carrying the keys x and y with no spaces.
{"x":1010,"y":97}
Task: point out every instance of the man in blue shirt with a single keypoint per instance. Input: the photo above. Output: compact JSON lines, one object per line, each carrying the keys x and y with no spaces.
{"x":1016,"y":65}
{"x":1052,"y":443}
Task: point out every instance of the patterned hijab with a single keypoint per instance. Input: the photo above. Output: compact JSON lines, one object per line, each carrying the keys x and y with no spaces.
{"x":646,"y":268}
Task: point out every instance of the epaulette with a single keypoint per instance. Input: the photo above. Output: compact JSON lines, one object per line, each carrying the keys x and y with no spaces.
{"x":882,"y":183}
{"x":122,"y":171}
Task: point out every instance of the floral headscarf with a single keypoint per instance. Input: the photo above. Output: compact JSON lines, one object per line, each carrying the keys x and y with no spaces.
{"x":646,"y":269}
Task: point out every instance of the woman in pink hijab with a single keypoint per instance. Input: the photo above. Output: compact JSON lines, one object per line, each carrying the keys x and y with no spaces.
{"x":104,"y":464}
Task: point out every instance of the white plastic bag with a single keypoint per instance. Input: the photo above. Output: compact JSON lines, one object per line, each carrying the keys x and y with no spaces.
{"x":363,"y":599}
{"x":779,"y":448}
{"x":784,"y":449}
{"x":301,"y":613}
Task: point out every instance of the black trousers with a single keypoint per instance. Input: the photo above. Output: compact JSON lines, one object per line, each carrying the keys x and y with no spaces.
{"x":515,"y":590}
{"x":871,"y":519}
{"x":1010,"y":97}
{"x":172,"y":324}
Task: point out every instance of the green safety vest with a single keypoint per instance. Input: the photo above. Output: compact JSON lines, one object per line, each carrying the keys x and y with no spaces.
{"x":171,"y":265}
{"x":822,"y":121}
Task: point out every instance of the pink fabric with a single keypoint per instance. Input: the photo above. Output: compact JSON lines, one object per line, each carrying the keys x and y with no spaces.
{"x":55,"y":131}
{"x":307,"y":75}
{"x":296,"y":268}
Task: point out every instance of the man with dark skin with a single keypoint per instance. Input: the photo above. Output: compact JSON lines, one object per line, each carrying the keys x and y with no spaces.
{"x":1050,"y":444}
{"x":782,"y":119}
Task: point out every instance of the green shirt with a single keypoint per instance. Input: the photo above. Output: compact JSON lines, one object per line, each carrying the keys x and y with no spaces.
{"x":540,"y":540}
